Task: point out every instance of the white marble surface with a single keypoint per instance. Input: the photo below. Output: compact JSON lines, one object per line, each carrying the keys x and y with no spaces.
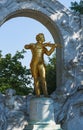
{"x":16,"y":115}
{"x":41,"y":110}
{"x":25,"y":113}
{"x":42,"y":114}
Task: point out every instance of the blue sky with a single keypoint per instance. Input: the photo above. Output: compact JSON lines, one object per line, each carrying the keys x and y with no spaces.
{"x":67,"y":3}
{"x":17,"y":32}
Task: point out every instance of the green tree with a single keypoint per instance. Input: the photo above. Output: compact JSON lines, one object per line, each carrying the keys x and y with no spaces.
{"x":77,"y":7}
{"x":13,"y":74}
{"x":51,"y":74}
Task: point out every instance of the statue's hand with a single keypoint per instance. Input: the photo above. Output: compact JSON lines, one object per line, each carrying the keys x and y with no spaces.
{"x":47,"y":44}
{"x":58,"y":45}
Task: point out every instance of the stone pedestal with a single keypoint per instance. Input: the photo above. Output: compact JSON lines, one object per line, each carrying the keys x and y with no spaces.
{"x":42,"y":115}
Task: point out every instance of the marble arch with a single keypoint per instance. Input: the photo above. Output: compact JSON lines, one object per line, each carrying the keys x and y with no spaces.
{"x":41,"y":17}
{"x":58,"y":20}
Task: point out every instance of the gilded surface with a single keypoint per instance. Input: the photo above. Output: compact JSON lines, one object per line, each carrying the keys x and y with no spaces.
{"x":37,"y":64}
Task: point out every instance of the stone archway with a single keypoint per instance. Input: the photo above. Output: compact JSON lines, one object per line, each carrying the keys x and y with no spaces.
{"x":59,"y":21}
{"x":49,"y":24}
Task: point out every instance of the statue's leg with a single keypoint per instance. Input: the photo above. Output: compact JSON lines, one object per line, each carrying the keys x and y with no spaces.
{"x":34,"y":71}
{"x":44,"y":87}
{"x":36,"y":86}
{"x":42,"y":73}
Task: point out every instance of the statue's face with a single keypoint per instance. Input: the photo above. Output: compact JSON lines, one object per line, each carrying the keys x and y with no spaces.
{"x":40,"y":37}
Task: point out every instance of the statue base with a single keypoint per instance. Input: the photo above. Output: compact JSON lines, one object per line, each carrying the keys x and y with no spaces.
{"x":42,"y":115}
{"x":41,"y":126}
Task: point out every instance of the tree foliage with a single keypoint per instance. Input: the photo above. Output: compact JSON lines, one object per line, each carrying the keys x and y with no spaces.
{"x":51,"y":74}
{"x":13,"y":74}
{"x":77,"y":7}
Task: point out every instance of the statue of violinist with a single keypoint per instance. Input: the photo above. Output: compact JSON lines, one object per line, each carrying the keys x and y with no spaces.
{"x":37,"y":64}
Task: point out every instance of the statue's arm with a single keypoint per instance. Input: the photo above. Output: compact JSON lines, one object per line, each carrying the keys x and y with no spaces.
{"x":49,"y":52}
{"x":28,"y":46}
{"x":53,"y":46}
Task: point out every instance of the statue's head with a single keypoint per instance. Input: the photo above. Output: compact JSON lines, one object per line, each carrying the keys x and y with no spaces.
{"x":40,"y":37}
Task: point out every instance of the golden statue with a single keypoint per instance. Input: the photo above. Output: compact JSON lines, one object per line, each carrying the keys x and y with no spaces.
{"x":37,"y":65}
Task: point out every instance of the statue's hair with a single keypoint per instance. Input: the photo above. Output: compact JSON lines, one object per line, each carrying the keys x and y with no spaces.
{"x":38,"y":37}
